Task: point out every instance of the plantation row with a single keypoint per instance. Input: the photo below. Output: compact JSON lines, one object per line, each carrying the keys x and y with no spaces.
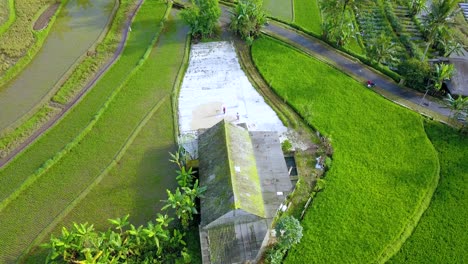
{"x":63,"y":165}
{"x":382,"y":160}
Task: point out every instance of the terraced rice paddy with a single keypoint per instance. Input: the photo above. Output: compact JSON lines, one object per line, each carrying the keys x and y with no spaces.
{"x":307,"y":15}
{"x":441,"y":236}
{"x":132,"y":99}
{"x":282,"y":9}
{"x":384,"y":167}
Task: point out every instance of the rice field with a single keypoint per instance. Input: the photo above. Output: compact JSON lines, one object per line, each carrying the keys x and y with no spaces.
{"x":282,"y":9}
{"x":307,"y":15}
{"x":441,"y":236}
{"x":70,"y":157}
{"x":384,"y":170}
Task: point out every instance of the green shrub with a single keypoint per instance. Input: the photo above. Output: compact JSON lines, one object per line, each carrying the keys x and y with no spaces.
{"x":202,"y":17}
{"x":286,"y":146}
{"x":416,"y":73}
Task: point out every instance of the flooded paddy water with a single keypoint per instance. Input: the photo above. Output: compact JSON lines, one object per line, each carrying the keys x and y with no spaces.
{"x":75,"y":30}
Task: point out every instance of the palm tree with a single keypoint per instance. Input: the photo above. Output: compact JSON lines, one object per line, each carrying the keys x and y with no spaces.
{"x":457,"y":106}
{"x":442,"y":72}
{"x":416,"y":6}
{"x":382,"y":49}
{"x":441,"y":12}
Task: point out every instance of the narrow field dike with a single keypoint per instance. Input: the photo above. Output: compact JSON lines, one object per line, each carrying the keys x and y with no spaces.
{"x":384,"y":170}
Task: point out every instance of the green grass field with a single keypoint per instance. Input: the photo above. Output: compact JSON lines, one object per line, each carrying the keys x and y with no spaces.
{"x":83,"y":163}
{"x":282,"y":9}
{"x":384,"y":167}
{"x":307,"y":15}
{"x":441,"y":235}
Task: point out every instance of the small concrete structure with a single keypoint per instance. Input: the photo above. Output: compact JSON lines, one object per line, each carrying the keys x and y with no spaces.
{"x":247,"y":181}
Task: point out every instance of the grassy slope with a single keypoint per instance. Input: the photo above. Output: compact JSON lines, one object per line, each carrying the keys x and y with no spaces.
{"x":279,"y":8}
{"x":62,"y":183}
{"x":441,"y":236}
{"x":307,"y":15}
{"x":384,"y":165}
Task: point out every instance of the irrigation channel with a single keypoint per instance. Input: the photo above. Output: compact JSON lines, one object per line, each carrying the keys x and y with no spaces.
{"x":77,"y":28}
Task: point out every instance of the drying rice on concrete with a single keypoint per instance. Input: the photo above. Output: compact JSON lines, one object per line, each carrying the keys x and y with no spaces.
{"x":214,"y":80}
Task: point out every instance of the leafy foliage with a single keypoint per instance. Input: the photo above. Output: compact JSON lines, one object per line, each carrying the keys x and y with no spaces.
{"x":153,"y":243}
{"x":441,"y":72}
{"x":382,"y":49}
{"x":202,"y":17}
{"x":247,"y":19}
{"x":416,"y":73}
{"x":441,"y":14}
{"x":457,"y":106}
{"x":288,"y":231}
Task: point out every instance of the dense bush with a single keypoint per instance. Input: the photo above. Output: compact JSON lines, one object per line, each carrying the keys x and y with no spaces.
{"x":247,"y":19}
{"x":416,"y":73}
{"x":202,"y":17}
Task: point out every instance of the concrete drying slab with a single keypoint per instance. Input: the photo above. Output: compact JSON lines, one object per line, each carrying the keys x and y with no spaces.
{"x":214,"y":80}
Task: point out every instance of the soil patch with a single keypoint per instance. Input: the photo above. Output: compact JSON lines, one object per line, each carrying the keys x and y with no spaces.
{"x":44,"y":19}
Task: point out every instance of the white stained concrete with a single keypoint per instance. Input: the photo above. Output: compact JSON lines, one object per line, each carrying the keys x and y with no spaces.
{"x":214,"y":79}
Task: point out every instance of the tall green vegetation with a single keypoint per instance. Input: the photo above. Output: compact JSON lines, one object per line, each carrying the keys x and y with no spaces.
{"x":441,"y":236}
{"x":338,"y":27}
{"x":123,"y":243}
{"x":247,"y":19}
{"x":415,"y":73}
{"x":440,"y":16}
{"x":384,"y":170}
{"x":202,"y":17}
{"x":288,"y":233}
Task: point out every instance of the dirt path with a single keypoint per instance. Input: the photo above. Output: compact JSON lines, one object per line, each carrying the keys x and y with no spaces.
{"x":88,"y":86}
{"x":44,"y":19}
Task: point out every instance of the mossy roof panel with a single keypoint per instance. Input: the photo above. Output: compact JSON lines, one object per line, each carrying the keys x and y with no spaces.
{"x":228,"y":170}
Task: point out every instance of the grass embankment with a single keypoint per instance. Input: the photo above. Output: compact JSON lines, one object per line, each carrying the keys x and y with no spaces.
{"x":135,"y":172}
{"x":10,"y":139}
{"x":282,"y":9}
{"x":307,"y":15}
{"x":36,"y":159}
{"x":384,"y":167}
{"x":20,"y":43}
{"x":441,"y":236}
{"x":7,"y":14}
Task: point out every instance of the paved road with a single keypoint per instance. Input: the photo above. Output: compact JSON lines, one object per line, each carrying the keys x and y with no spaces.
{"x":351,"y":66}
